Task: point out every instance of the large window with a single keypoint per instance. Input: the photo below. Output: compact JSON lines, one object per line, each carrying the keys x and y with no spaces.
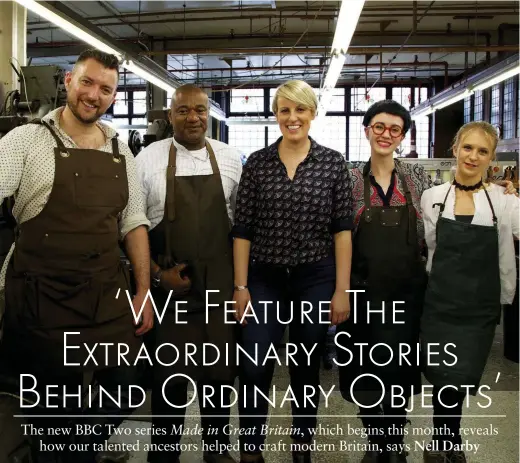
{"x":340,"y":130}
{"x":421,"y":94}
{"x":139,"y":101}
{"x":247,"y":138}
{"x":518,"y":107}
{"x":403,"y":95}
{"x":495,"y":105}
{"x":336,"y":102}
{"x":478,"y":106}
{"x":467,"y":109}
{"x":509,"y":109}
{"x":332,"y":133}
{"x":129,"y":109}
{"x":121,"y":104}
{"x":422,"y":126}
{"x":247,"y":100}
{"x":361,"y":100}
{"x":358,"y":146}
{"x":273,"y":134}
{"x":422,"y":138}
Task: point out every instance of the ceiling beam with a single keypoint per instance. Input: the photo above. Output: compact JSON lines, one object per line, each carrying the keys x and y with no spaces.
{"x":504,"y":8}
{"x":354,"y":50}
{"x":74,"y":49}
{"x":235,"y":16}
{"x":316,"y":44}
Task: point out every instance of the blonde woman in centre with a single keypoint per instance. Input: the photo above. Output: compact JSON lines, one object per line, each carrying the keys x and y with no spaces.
{"x":292,"y":243}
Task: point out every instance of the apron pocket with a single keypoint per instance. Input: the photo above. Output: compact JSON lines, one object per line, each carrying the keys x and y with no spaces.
{"x":64,"y":304}
{"x":100,"y":192}
{"x":108,"y":308}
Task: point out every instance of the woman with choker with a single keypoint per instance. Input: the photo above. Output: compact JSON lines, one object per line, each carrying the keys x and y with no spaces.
{"x":469,"y":230}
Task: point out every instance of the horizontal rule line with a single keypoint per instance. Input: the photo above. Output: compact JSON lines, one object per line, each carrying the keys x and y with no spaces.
{"x":133,"y":417}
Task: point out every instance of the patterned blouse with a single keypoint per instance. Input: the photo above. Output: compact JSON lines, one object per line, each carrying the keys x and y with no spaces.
{"x":291,"y":222}
{"x":416,"y":178}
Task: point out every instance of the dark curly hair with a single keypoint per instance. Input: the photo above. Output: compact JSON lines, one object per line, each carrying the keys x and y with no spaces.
{"x":390,"y":107}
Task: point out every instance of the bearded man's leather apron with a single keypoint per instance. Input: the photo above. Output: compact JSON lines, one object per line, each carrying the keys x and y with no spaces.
{"x":65,"y":271}
{"x":195,"y":230}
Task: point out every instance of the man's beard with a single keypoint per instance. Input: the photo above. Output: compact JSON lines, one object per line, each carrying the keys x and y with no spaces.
{"x":74,"y":109}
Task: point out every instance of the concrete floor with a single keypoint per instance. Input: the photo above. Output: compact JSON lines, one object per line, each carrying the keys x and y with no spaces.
{"x":501,"y":448}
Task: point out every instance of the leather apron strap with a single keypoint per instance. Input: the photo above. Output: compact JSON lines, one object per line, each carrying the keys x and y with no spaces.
{"x":169,"y":206}
{"x":115,"y":145}
{"x":442,"y":205}
{"x":412,"y":228}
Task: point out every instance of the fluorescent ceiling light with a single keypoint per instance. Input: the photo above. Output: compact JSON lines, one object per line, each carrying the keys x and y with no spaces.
{"x":252,"y":121}
{"x":435,"y":107}
{"x":426,"y":112}
{"x":68,"y":26}
{"x":139,"y":71}
{"x":348,"y":17}
{"x":493,"y":75}
{"x":85,"y":36}
{"x":495,"y":80}
{"x":335,"y":68}
{"x":331,"y":79}
{"x":452,"y":100}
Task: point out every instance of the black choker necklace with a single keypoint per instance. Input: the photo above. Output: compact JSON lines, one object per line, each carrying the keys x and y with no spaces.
{"x":467,"y":187}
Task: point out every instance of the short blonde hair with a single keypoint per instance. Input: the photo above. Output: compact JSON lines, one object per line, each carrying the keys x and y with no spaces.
{"x":485,"y":127}
{"x":298,"y":92}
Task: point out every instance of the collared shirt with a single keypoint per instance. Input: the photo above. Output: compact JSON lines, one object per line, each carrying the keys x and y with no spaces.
{"x":27,"y":167}
{"x":153,"y":161}
{"x":290,"y":222}
{"x":507,"y":211}
{"x":417,"y":180}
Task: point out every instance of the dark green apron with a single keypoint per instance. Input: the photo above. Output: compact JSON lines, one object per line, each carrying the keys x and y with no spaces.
{"x":195,"y":229}
{"x":387,"y":265}
{"x":65,"y":270}
{"x":462,"y":303}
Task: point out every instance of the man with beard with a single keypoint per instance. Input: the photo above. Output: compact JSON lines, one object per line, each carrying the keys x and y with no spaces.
{"x":76,"y":197}
{"x":190,"y":184}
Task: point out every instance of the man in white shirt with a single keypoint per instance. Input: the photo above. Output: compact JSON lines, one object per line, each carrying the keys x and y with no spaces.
{"x":190,"y":184}
{"x":76,"y":196}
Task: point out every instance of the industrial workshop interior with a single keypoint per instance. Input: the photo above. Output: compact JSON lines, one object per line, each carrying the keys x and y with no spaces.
{"x":446,"y":64}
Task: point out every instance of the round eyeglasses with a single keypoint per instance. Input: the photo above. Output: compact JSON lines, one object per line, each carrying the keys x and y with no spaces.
{"x":394,"y":130}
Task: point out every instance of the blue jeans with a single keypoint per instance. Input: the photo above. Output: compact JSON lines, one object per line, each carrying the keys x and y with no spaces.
{"x":312,"y":283}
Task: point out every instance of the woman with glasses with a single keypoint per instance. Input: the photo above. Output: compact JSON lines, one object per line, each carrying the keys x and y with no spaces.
{"x":387,"y":266}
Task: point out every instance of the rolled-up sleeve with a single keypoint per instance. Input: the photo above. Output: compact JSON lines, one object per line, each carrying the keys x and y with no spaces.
{"x":246,"y":205}
{"x":342,"y":201}
{"x":13,"y":150}
{"x":134,"y":214}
